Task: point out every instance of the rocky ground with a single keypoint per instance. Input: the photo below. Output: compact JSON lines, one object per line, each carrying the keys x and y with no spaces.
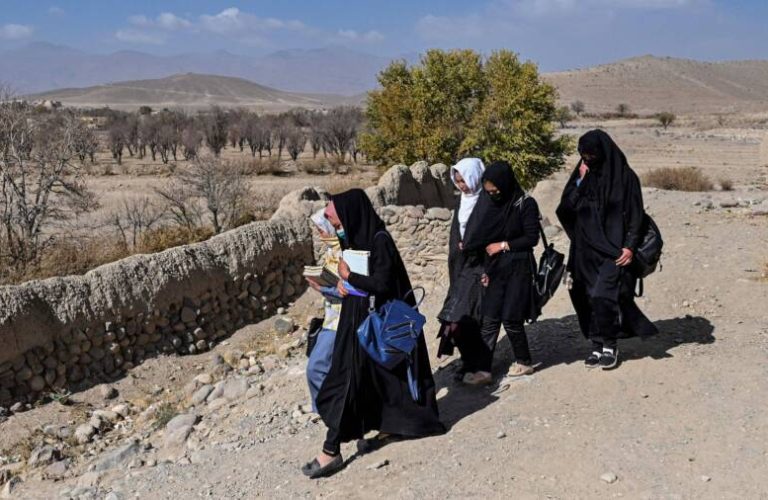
{"x":682,"y":417}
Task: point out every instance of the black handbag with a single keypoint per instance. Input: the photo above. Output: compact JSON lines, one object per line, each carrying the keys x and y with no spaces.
{"x":549,"y":274}
{"x":648,"y":254}
{"x":313,"y":330}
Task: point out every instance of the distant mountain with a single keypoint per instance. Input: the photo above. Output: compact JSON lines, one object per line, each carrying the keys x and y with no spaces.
{"x":42,"y":66}
{"x":190,"y":91}
{"x":651,"y":84}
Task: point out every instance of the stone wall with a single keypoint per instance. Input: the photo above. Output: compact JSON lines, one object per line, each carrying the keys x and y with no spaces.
{"x":74,"y":331}
{"x":421,"y":234}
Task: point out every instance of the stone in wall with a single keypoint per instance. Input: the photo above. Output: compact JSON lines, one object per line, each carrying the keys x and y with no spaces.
{"x":419,"y":184}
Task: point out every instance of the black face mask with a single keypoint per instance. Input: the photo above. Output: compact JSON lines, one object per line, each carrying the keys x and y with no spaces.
{"x":496,"y":197}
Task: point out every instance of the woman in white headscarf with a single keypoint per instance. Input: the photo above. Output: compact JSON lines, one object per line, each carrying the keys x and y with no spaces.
{"x":461,"y":317}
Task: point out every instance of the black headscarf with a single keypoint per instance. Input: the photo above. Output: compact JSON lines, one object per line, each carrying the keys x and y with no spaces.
{"x":606,"y":171}
{"x":359,"y":219}
{"x":494,"y":214}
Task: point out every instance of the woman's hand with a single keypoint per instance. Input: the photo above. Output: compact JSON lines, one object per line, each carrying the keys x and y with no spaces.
{"x":461,"y":245}
{"x":484,"y":280}
{"x":314,"y":284}
{"x":495,"y":248}
{"x":344,"y":270}
{"x":342,"y":289}
{"x":583,"y":169}
{"x":625,"y":258}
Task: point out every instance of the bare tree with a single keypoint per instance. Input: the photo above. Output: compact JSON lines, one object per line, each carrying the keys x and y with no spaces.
{"x":215,"y":129}
{"x":280,"y":134}
{"x":38,"y":180}
{"x":295,"y":141}
{"x":191,"y":139}
{"x":577,"y":107}
{"x":117,"y":139}
{"x":218,"y":189}
{"x":136,"y":217}
{"x":84,"y":141}
{"x":341,"y":125}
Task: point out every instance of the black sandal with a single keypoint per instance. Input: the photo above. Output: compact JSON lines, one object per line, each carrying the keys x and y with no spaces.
{"x":314,"y":470}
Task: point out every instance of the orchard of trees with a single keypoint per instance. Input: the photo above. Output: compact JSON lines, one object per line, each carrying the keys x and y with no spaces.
{"x":172,"y":135}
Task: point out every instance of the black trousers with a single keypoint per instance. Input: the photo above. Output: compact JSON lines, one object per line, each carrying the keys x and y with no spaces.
{"x":490,"y":334}
{"x":332,"y":444}
{"x":604,"y":324}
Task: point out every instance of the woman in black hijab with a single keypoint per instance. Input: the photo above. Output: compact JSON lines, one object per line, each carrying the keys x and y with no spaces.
{"x":602,"y":212}
{"x":358,"y":395}
{"x":508,"y":234}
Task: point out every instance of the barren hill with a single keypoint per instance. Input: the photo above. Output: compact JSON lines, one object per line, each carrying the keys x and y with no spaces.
{"x":189,"y":90}
{"x":652,"y":84}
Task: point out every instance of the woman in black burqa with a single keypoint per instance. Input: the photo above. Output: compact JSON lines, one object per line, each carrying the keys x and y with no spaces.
{"x":601,"y":210}
{"x":508,"y":234}
{"x":358,"y":395}
{"x":461,"y":315}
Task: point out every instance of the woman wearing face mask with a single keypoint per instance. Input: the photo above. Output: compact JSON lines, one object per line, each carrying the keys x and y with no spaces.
{"x":461,"y":315}
{"x":319,"y":362}
{"x":358,"y":395}
{"x":508,"y":234}
{"x":601,"y":210}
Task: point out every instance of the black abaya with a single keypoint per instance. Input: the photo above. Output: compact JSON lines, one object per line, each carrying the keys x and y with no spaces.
{"x":602,"y":214}
{"x":358,"y":395}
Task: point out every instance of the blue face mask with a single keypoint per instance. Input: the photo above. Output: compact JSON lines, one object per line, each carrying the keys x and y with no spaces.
{"x":341,"y":234}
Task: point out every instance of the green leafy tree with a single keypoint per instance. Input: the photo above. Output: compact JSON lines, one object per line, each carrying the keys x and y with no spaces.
{"x":455,"y":104}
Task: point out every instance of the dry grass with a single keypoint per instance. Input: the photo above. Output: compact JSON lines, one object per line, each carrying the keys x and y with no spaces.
{"x":157,"y":240}
{"x":164,"y":414}
{"x":726,"y":184}
{"x":678,"y":179}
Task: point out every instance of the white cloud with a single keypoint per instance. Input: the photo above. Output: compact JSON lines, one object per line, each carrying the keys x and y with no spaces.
{"x":55,"y":11}
{"x":165,"y":20}
{"x":235,"y":21}
{"x":15,"y":31}
{"x":139,"y":37}
{"x":369,"y":36}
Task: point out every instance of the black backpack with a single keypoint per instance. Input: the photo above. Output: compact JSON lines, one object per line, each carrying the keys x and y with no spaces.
{"x":648,"y":253}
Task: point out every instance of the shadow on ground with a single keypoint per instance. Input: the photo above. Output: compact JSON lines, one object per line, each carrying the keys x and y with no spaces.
{"x":558,"y":341}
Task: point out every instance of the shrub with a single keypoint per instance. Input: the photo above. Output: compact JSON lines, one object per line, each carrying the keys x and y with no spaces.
{"x":577,"y":107}
{"x":563,"y":116}
{"x":622,"y":110}
{"x":455,"y":103}
{"x":678,"y":179}
{"x":726,"y":184}
{"x":666,"y":119}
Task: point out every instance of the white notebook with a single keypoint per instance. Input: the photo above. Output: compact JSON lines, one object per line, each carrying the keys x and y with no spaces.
{"x":357,"y":261}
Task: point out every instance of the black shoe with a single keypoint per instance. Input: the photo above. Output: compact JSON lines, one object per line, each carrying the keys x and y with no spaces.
{"x":313,"y":470}
{"x":458,"y":376}
{"x":593,"y":360}
{"x":609,"y":359}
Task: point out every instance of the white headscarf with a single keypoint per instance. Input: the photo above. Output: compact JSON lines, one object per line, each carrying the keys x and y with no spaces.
{"x":318,"y":219}
{"x":471,"y":170}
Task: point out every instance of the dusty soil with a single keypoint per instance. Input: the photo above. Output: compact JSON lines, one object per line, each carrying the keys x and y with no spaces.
{"x":682,"y":417}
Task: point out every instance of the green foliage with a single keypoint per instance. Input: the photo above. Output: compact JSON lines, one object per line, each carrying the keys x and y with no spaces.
{"x":456,"y":104}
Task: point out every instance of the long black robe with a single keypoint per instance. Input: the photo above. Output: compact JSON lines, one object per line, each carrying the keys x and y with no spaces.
{"x":601,"y":215}
{"x":463,"y":301}
{"x":358,"y":395}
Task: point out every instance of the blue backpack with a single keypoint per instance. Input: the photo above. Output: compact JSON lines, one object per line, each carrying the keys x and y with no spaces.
{"x":390,"y":335}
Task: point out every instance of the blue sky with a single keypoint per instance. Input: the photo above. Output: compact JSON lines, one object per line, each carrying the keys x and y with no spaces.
{"x":558,"y":34}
